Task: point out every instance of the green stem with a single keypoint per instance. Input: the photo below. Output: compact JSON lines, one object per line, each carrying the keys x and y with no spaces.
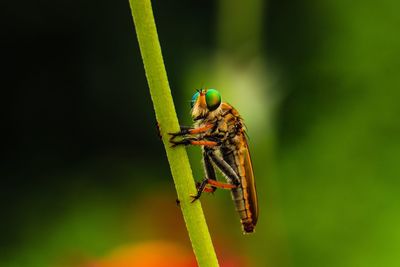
{"x":168,"y":122}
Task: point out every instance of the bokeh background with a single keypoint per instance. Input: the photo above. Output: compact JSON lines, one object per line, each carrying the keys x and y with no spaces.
{"x":84,"y":177}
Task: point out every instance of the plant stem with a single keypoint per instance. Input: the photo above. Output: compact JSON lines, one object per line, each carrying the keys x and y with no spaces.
{"x":168,"y":122}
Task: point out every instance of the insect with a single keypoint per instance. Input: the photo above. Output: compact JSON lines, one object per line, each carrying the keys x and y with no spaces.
{"x":219,"y":130}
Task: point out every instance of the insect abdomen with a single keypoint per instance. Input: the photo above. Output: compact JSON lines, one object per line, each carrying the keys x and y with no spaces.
{"x":242,"y":208}
{"x":240,"y":195}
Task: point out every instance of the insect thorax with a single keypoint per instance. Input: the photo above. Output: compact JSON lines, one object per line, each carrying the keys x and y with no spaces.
{"x":227,"y":128}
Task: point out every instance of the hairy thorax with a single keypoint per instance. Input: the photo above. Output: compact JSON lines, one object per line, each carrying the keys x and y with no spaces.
{"x":227,"y":128}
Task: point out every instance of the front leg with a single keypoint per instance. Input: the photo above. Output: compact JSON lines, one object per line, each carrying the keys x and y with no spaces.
{"x":193,"y":141}
{"x":188,"y":130}
{"x":184,"y":130}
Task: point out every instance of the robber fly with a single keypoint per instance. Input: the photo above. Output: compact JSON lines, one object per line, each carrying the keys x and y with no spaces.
{"x":219,"y":130}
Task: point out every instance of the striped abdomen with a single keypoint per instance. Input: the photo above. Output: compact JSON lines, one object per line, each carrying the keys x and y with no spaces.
{"x":244,"y":197}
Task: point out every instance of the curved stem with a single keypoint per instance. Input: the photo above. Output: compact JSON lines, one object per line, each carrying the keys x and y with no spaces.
{"x":168,"y":122}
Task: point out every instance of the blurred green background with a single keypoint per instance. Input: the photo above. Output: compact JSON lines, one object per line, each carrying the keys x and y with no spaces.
{"x":84,"y":175}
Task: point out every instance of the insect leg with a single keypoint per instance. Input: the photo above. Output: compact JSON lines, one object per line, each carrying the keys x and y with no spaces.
{"x":190,"y":130}
{"x":200,"y":188}
{"x":210,"y":175}
{"x":225,"y":168}
{"x":201,"y":129}
{"x":220,"y":184}
{"x":183,"y":130}
{"x":209,"y":168}
{"x":212,"y":179}
{"x":193,"y":141}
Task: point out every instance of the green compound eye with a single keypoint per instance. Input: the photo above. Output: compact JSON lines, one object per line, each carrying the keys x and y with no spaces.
{"x":194,"y":99}
{"x":213,"y":99}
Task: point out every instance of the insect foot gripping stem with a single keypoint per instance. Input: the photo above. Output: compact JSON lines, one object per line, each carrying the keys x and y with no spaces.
{"x":184,"y":131}
{"x":200,"y":188}
{"x":181,"y":142}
